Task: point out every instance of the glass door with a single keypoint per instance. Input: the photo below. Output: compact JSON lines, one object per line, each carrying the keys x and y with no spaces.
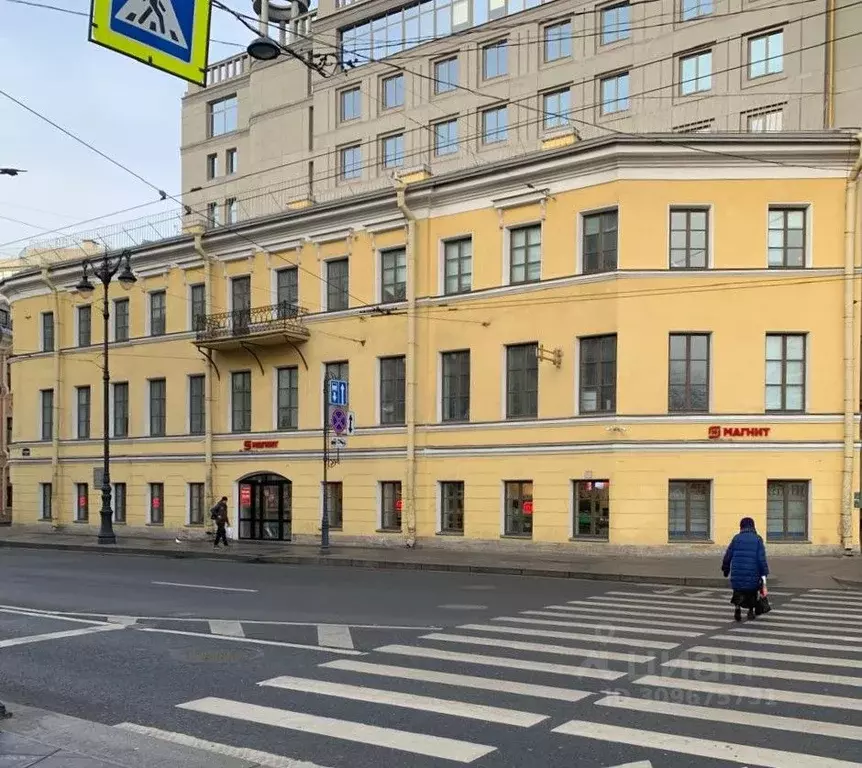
{"x":240,"y":288}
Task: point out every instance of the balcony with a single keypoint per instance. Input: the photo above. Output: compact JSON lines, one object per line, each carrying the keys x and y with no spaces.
{"x":254,"y":327}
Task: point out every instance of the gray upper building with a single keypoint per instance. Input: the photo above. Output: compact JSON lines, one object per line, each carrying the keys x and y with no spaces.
{"x":436,"y":85}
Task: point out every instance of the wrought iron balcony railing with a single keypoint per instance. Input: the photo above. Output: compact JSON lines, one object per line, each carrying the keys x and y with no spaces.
{"x":277,"y":320}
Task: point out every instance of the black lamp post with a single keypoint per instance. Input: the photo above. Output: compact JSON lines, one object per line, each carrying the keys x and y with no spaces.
{"x":104,"y":271}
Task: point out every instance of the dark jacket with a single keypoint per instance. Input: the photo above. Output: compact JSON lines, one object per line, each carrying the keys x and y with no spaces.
{"x":219,"y":514}
{"x":745,"y":561}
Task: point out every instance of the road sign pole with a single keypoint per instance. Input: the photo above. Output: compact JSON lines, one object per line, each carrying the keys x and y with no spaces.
{"x":324,"y":523}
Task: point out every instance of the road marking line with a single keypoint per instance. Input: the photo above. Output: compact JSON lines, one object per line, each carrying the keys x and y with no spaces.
{"x":848,"y":592}
{"x":463,"y":607}
{"x":37,"y":615}
{"x":501,"y":661}
{"x":598,"y":637}
{"x":825,"y":661}
{"x":226,"y":628}
{"x":783,"y":632}
{"x":252,"y":640}
{"x":13,"y":641}
{"x":598,"y":627}
{"x":201,"y":586}
{"x":466,"y":710}
{"x":651,"y":605}
{"x":405,"y":741}
{"x":801,"y":618}
{"x":252,"y":756}
{"x":334,"y":636}
{"x":854,"y":612}
{"x":557,"y":650}
{"x":461,"y":681}
{"x":839,"y":599}
{"x":638,"y":617}
{"x":738,"y":637}
{"x":718,"y":750}
{"x":126,"y":621}
{"x":747,"y":719}
{"x":749,"y":692}
{"x":776,"y":674}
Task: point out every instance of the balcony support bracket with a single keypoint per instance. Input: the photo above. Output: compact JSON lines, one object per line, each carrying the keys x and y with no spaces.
{"x":298,"y":351}
{"x":209,"y":356}
{"x":250,"y":349}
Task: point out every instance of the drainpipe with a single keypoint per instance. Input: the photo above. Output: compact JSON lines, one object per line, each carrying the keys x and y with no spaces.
{"x":56,"y":479}
{"x":830,"y":64}
{"x":208,"y":380}
{"x":851,"y":201}
{"x":409,"y":517}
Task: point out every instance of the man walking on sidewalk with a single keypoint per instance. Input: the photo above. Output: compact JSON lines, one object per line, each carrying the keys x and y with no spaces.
{"x":220,"y":516}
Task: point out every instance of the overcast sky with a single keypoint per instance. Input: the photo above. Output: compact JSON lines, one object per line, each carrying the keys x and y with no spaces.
{"x":126,"y":109}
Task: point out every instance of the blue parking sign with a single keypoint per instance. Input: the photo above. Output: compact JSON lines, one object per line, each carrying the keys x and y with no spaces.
{"x":337,"y":392}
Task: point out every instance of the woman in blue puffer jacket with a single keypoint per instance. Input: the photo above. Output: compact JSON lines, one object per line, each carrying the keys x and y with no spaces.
{"x":745,"y":563}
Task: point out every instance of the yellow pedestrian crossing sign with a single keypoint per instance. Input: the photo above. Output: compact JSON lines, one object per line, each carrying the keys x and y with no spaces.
{"x":170,"y":35}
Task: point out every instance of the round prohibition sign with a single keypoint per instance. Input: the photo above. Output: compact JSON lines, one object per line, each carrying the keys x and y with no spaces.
{"x":338,"y":421}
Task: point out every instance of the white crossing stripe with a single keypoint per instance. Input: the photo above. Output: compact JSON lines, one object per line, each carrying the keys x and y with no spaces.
{"x":848,"y":592}
{"x":466,"y":710}
{"x":253,"y":641}
{"x":502,"y":661}
{"x":45,"y":615}
{"x":461,"y":681}
{"x":853,"y":602}
{"x":639,"y":617}
{"x":650,"y":609}
{"x":750,"y":692}
{"x":598,"y":637}
{"x":747,"y":719}
{"x":652,"y":605}
{"x":334,"y":636}
{"x":598,"y":627}
{"x":738,"y":637}
{"x":717,"y":750}
{"x":126,"y":621}
{"x":13,"y":641}
{"x":839,"y":608}
{"x":801,"y":618}
{"x":226,"y":628}
{"x":783,"y":632}
{"x":824,"y":661}
{"x":713,"y":600}
{"x":557,"y":650}
{"x":751,"y":670}
{"x":405,"y":741}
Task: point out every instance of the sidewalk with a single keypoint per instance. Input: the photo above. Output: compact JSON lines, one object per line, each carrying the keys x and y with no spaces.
{"x":692,"y":570}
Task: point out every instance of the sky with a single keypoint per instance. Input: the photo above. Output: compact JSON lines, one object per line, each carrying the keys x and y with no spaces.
{"x":124,"y":108}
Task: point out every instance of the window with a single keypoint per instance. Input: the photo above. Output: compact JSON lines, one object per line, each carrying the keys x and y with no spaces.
{"x":392,"y":151}
{"x":119,"y":502}
{"x":558,"y":41}
{"x":231,"y":210}
{"x":452,"y":507}
{"x":213,"y":215}
{"x":157,"y":313}
{"x":519,"y":507}
{"x":689,"y":228}
{"x":616,"y":23}
{"x":82,"y":411}
{"x":197,"y":503}
{"x":455,"y":380}
{"x":351,"y":104}
{"x":390,"y":506}
{"x":8,"y":430}
{"x":158,"y":416}
{"x":522,"y":381}
{"x":47,"y":331}
{"x":695,"y":73}
{"x":121,"y":409}
{"x":197,"y":404}
{"x":525,"y":254}
{"x":446,"y":75}
{"x":350,"y":162}
{"x":786,"y":237}
{"x":157,"y":503}
{"x":787,"y":510}
{"x":223,"y":116}
{"x":688,"y":375}
{"x":46,"y":501}
{"x":600,"y":242}
{"x":446,"y":137}
{"x":458,"y":266}
{"x":393,"y":275}
{"x":287,"y":291}
{"x":495,"y":60}
{"x":766,"y":122}
{"x":495,"y":124}
{"x":212,"y":166}
{"x":232,"y":162}
{"x":337,"y":283}
{"x":785,"y":372}
{"x":334,"y":500}
{"x":393,"y":91}
{"x":598,"y":374}
{"x":694,"y":9}
{"x":198,"y":302}
{"x":766,"y":54}
{"x":689,"y":509}
{"x":240,"y":402}
{"x":592,"y":509}
{"x":82,"y":502}
{"x":392,"y":390}
{"x":121,"y":320}
{"x":556,"y":107}
{"x":47,"y":398}
{"x":85,"y":326}
{"x":287,"y":399}
{"x":615,"y":93}
{"x":339,"y":371}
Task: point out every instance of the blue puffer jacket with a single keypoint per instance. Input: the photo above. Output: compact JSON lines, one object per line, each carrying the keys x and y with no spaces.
{"x":745,"y":561}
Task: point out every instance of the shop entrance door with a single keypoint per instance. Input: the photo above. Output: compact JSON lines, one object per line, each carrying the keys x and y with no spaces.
{"x":265,"y":508}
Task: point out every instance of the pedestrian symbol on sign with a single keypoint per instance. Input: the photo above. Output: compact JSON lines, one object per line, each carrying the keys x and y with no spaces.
{"x":157,"y":17}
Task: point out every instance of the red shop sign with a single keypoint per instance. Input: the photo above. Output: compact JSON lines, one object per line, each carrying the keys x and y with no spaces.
{"x":245,"y":495}
{"x":253,"y":445}
{"x":157,"y":502}
{"x":527,"y":507}
{"x":715,"y":432}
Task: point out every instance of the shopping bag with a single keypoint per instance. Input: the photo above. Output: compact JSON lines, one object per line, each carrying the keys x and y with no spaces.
{"x":229,"y":532}
{"x":763,"y":605}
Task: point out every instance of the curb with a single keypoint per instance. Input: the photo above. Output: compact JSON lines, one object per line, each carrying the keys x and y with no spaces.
{"x":851,"y":583}
{"x":379,"y":564}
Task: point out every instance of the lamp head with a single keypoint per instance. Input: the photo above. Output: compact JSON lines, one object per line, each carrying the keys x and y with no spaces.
{"x":263,"y":49}
{"x":126,"y":277}
{"x":84,"y":286}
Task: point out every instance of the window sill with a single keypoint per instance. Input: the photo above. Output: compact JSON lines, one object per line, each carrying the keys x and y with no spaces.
{"x":388,"y":530}
{"x":788,"y":541}
{"x":689,"y":540}
{"x":46,"y":519}
{"x":155,"y":525}
{"x":600,"y":539}
{"x":193,"y":525}
{"x":80,"y":522}
{"x":457,"y":534}
{"x":521,"y":536}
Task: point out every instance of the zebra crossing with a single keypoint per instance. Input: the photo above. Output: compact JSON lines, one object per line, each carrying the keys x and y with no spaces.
{"x":632,"y":676}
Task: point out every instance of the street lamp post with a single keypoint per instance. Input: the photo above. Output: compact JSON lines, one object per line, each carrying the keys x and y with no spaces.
{"x":104,"y":271}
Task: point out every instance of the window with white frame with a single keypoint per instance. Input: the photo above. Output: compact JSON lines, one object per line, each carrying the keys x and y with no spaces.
{"x":337,"y":285}
{"x":695,"y":9}
{"x":82,"y":408}
{"x":120,"y":409}
{"x":393,"y":275}
{"x":390,"y":506}
{"x":616,"y":23}
{"x":47,"y":331}
{"x":350,"y":102}
{"x":223,"y":116}
{"x":85,"y":325}
{"x":556,"y":107}
{"x":455,"y":385}
{"x":495,"y":125}
{"x":786,"y":237}
{"x":240,"y":401}
{"x":615,"y":93}
{"x":446,"y":75}
{"x":212,"y":166}
{"x":495,"y":60}
{"x":197,"y":404}
{"x":121,"y":319}
{"x":350,"y":162}
{"x":158,"y":313}
{"x":392,"y":91}
{"x":522,"y":381}
{"x":558,"y":41}
{"x":47,"y":411}
{"x":458,"y":266}
{"x":765,"y":122}
{"x":392,"y":390}
{"x":695,"y":73}
{"x":287,"y":398}
{"x":525,"y":254}
{"x":232,"y":162}
{"x":452,"y":507}
{"x":158,"y":407}
{"x":197,"y":503}
{"x":766,"y":54}
{"x":231,"y":210}
{"x":392,"y":151}
{"x":787,"y":510}
{"x":446,"y":137}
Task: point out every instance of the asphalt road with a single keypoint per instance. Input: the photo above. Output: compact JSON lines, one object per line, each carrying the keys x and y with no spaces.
{"x":355,"y":668}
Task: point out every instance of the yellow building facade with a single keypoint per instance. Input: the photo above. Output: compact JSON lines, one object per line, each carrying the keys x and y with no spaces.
{"x":627,"y":343}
